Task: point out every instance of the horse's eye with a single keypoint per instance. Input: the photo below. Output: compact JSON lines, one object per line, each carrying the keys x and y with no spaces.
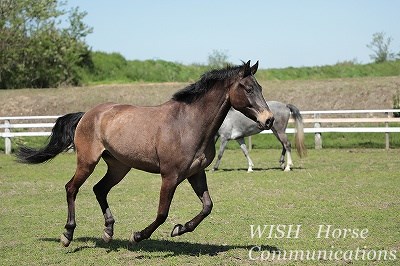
{"x":248,"y":90}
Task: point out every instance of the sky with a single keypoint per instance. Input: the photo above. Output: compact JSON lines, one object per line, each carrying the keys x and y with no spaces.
{"x":279,"y":33}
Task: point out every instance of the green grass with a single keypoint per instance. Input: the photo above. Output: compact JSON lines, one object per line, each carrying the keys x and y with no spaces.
{"x":348,"y":188}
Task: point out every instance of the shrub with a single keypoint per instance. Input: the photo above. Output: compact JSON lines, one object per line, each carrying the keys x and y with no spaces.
{"x":35,"y":51}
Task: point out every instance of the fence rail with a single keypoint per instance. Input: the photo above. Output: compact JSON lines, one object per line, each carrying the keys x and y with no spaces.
{"x":24,"y":126}
{"x":314,"y":123}
{"x":320,"y":124}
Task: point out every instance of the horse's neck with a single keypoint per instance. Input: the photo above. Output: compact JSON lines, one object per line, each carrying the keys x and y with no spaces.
{"x":211,"y":110}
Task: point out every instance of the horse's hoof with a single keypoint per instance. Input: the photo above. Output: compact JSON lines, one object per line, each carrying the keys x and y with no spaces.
{"x":64,"y":240}
{"x":106,"y":237}
{"x":176,"y":230}
{"x":135,"y":238}
{"x":250,"y":170}
{"x":287,"y":169}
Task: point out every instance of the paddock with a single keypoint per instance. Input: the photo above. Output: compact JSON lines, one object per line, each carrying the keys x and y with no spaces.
{"x":346,"y":188}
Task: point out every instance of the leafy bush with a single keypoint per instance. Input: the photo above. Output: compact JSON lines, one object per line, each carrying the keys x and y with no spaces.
{"x":390,"y":68}
{"x":115,"y":68}
{"x":35,"y":51}
{"x":105,"y":67}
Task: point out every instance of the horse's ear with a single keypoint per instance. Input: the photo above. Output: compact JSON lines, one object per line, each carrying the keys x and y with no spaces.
{"x":247,"y":69}
{"x":254,"y":68}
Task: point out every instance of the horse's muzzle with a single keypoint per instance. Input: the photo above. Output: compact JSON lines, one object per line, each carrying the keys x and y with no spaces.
{"x":267,"y":125}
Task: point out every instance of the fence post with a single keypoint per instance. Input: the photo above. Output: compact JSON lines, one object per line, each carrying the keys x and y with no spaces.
{"x":317,"y":136}
{"x":387,"y":134}
{"x":7,"y":140}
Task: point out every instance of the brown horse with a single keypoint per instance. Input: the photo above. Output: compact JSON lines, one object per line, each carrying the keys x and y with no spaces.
{"x":175,"y":139}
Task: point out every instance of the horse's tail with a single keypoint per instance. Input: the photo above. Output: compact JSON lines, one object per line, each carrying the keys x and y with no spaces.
{"x":61,"y":139}
{"x":299,"y":135}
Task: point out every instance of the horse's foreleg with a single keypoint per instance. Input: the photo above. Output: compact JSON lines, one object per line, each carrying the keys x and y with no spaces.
{"x":222,"y":146}
{"x":168,"y":188}
{"x":115,"y":173}
{"x":199,"y":185}
{"x":246,"y":154}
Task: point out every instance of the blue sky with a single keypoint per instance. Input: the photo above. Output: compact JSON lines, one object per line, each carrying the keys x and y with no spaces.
{"x":279,"y":33}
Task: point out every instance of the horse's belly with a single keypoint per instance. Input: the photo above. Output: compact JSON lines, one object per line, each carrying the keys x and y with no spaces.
{"x":134,"y":157}
{"x":146,"y":166}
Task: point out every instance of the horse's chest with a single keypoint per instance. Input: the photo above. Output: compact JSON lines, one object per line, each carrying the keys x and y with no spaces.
{"x":202,"y":160}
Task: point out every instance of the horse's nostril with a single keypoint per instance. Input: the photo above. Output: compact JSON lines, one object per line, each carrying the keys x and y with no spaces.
{"x":269,"y":121}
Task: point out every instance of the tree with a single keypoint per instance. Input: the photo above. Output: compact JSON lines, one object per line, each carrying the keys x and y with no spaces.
{"x":218,"y":59}
{"x":35,"y":50}
{"x":380,"y":46}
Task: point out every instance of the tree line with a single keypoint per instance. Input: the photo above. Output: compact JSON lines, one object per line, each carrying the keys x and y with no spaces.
{"x":42,"y":44}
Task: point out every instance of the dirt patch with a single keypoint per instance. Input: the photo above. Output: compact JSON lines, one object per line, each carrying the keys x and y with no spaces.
{"x":355,"y":93}
{"x":336,"y":94}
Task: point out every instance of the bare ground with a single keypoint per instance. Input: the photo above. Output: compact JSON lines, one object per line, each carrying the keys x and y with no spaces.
{"x":355,"y":93}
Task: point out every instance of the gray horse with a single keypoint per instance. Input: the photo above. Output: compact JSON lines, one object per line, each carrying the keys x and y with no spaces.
{"x":237,"y":126}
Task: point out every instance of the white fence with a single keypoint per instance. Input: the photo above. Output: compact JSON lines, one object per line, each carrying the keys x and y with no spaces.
{"x":316,"y":122}
{"x":319,"y":122}
{"x":24,"y":126}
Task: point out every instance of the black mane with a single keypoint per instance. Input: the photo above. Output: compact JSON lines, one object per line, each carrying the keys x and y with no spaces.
{"x":194,"y":91}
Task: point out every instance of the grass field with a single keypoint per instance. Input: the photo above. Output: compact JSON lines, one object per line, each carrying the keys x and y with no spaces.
{"x":354,"y":189}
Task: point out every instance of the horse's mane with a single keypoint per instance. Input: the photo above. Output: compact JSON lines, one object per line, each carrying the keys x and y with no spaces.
{"x":194,"y":91}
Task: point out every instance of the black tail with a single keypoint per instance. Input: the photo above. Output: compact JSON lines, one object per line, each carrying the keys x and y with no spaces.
{"x":61,"y":139}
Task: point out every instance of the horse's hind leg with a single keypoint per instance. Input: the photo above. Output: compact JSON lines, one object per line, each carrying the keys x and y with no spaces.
{"x":199,"y":185}
{"x":83,"y":171}
{"x":115,"y":173}
{"x":282,"y":158}
{"x":246,"y":154}
{"x":286,"y":149}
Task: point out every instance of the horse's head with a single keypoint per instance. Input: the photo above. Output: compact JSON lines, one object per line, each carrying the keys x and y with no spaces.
{"x":246,"y":96}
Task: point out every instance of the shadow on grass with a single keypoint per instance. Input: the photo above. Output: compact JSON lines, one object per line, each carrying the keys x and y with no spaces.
{"x":256,"y":169}
{"x":171,"y":248}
